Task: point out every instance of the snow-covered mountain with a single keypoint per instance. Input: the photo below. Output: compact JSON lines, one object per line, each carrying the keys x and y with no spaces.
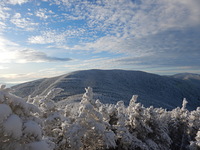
{"x":187,"y":76}
{"x":111,"y":86}
{"x":190,"y":77}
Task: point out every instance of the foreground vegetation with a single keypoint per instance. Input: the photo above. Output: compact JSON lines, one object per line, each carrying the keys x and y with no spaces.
{"x":39,"y":123}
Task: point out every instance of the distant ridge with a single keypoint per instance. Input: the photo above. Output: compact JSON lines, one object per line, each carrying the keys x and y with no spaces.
{"x":187,"y":76}
{"x":111,"y":86}
{"x":190,"y":77}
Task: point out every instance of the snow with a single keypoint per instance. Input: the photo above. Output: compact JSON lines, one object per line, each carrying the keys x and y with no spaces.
{"x":53,"y":93}
{"x":184,"y":103}
{"x":41,"y":145}
{"x":13,"y":126}
{"x":5,"y":111}
{"x":33,"y":108}
{"x":16,"y":101}
{"x":110,"y":139}
{"x":32,"y":128}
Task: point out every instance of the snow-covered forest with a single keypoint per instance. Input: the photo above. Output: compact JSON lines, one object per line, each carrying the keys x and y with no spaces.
{"x":38,"y":123}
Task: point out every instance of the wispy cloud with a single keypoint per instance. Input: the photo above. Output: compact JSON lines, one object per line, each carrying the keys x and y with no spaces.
{"x":14,"y":2}
{"x":35,"y":56}
{"x":48,"y":37}
{"x":44,"y":13}
{"x":128,"y":27}
{"x":41,"y":13}
{"x":12,"y":52}
{"x":97,"y":63}
{"x":23,"y":23}
{"x":3,"y":11}
{"x":136,"y":18}
{"x":172,"y":48}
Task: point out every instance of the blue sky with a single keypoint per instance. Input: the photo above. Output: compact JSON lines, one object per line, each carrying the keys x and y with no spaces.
{"x":45,"y":38}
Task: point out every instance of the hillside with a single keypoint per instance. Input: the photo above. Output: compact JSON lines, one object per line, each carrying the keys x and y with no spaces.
{"x":190,"y":77}
{"x":113,"y":85}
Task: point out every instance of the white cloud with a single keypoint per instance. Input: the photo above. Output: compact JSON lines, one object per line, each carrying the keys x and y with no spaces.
{"x":3,"y":26}
{"x":91,"y":63}
{"x":73,"y":17}
{"x":24,"y":23}
{"x":191,"y":9}
{"x":14,"y":53}
{"x":169,"y":48}
{"x":52,"y":36}
{"x":120,"y":45}
{"x":43,"y":13}
{"x":29,"y":55}
{"x":3,"y":12}
{"x":14,"y":2}
{"x":47,"y":37}
{"x":135,"y":18}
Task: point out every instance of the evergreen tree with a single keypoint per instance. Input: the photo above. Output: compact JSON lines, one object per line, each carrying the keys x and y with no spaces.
{"x":89,"y":130}
{"x":20,"y":129}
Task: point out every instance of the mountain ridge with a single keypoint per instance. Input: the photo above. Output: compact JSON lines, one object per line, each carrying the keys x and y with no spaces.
{"x":111,"y":86}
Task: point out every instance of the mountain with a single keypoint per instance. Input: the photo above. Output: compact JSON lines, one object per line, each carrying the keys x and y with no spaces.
{"x":190,"y":77}
{"x":111,"y":86}
{"x":187,"y":76}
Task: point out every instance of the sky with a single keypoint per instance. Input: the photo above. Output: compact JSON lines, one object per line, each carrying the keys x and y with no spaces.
{"x":45,"y":38}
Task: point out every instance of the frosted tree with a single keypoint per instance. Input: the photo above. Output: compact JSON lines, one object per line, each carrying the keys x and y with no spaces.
{"x":195,"y":145}
{"x":148,"y":126}
{"x":124,"y":137}
{"x":91,"y":125}
{"x":178,"y":127}
{"x":102,"y":108}
{"x":53,"y":118}
{"x":19,"y":128}
{"x":89,"y":130}
{"x":137,"y":125}
{"x":159,"y":138}
{"x":194,"y":123}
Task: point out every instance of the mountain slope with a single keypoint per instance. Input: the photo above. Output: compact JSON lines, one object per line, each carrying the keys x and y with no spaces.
{"x":189,"y":77}
{"x":111,"y":86}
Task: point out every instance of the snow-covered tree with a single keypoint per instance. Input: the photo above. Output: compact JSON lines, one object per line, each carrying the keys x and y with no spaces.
{"x":194,"y":129}
{"x":178,"y":127}
{"x":40,"y":123}
{"x":159,"y":137}
{"x":137,"y":126}
{"x":19,"y":128}
{"x":195,"y":145}
{"x":194,"y":123}
{"x":148,"y":127}
{"x":124,"y":137}
{"x":53,"y":118}
{"x":89,"y":131}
